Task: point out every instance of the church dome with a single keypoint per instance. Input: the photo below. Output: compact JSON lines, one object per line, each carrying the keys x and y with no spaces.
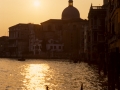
{"x":70,"y":12}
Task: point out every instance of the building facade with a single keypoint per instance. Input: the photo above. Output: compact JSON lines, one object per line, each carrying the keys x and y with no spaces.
{"x":18,"y":39}
{"x":69,"y":30}
{"x":113,"y":44}
{"x":4,"y":44}
{"x":35,"y":39}
{"x":66,"y":33}
{"x":96,"y":18}
{"x":86,"y":42}
{"x":113,"y":24}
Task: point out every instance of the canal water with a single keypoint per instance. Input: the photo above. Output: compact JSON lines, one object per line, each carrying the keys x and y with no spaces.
{"x":35,"y":74}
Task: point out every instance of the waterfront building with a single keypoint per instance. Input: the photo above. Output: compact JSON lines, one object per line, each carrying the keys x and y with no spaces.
{"x":113,"y":24}
{"x":35,"y":39}
{"x":38,"y":36}
{"x":4,"y":46}
{"x":113,"y":44}
{"x":54,"y":46}
{"x":67,"y":34}
{"x":96,"y":18}
{"x":18,"y":39}
{"x":86,"y":42}
{"x":69,"y":30}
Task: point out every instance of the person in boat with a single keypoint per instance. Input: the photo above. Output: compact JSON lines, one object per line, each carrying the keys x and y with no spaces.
{"x":47,"y":87}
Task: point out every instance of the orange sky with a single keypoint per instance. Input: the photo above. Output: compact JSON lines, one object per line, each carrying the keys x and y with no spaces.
{"x":25,"y":11}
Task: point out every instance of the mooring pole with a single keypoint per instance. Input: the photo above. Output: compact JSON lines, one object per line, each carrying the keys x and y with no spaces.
{"x":81,"y":86}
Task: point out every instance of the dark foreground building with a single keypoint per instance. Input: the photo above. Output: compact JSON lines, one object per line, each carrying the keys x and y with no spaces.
{"x":96,"y":18}
{"x":113,"y":44}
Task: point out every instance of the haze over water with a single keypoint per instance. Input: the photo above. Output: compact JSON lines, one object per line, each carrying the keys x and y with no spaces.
{"x":35,"y":74}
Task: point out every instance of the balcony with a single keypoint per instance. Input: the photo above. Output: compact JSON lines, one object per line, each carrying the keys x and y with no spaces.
{"x":13,"y":45}
{"x":15,"y":38}
{"x":97,"y":7}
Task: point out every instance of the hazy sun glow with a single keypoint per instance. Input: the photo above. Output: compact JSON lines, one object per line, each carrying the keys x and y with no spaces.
{"x":37,"y":11}
{"x":36,"y":3}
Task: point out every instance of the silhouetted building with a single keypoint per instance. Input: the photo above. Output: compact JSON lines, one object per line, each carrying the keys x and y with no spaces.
{"x":18,"y":39}
{"x":4,"y":50}
{"x":113,"y":44}
{"x":96,"y":18}
{"x":35,"y":39}
{"x":113,"y":24}
{"x":69,"y":30}
{"x":105,"y":3}
{"x":70,"y":12}
{"x":86,"y":42}
{"x":61,"y":35}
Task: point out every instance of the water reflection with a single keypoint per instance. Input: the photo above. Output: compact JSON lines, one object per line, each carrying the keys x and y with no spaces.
{"x":58,"y":75}
{"x":35,"y":76}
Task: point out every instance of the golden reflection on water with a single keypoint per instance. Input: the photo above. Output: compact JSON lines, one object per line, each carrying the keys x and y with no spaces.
{"x":35,"y":76}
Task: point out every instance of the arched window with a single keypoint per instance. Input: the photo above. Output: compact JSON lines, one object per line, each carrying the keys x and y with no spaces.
{"x":74,"y":27}
{"x":60,"y":27}
{"x":37,"y":47}
{"x":49,"y":27}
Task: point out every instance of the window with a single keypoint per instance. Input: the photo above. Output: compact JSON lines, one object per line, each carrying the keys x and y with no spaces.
{"x":74,"y":27}
{"x":101,"y":22}
{"x":36,"y":47}
{"x":91,"y":22}
{"x":54,"y":47}
{"x":18,"y":35}
{"x":85,"y":37}
{"x":95,"y":20}
{"x":118,"y":28}
{"x":113,"y":29}
{"x":63,"y":47}
{"x":101,"y":38}
{"x":51,"y":47}
{"x":36,"y":52}
{"x":60,"y":27}
{"x":49,"y":28}
{"x":95,"y":36}
{"x":52,"y":41}
{"x":59,"y":47}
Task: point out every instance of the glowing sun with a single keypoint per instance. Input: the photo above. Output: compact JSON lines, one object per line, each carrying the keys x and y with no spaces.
{"x":36,"y":3}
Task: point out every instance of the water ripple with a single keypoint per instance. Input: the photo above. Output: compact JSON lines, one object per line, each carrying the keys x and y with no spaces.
{"x":57,"y":75}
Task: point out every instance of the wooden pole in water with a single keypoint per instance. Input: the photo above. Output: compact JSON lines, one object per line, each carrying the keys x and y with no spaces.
{"x":81,"y":86}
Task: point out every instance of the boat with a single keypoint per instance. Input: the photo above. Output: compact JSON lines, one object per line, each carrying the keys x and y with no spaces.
{"x":74,"y":59}
{"x":21,"y":59}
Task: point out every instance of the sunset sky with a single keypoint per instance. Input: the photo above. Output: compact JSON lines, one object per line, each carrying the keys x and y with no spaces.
{"x":36,"y":11}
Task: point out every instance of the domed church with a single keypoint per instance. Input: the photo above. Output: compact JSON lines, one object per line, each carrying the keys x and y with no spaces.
{"x":69,"y":30}
{"x":70,"y":12}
